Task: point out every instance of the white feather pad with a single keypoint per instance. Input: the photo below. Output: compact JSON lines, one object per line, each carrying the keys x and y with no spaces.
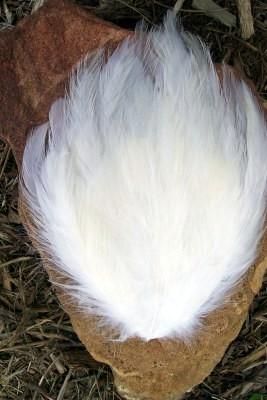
{"x":151,"y":191}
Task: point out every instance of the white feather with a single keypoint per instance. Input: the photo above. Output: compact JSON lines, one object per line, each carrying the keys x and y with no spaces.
{"x":151,"y":191}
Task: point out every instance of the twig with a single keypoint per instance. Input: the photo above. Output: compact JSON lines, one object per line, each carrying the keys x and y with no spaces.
{"x":245,"y":18}
{"x":178,"y":5}
{"x":64,"y":386}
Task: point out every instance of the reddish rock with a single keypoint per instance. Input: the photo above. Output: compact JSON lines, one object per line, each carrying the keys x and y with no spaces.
{"x":35,"y":61}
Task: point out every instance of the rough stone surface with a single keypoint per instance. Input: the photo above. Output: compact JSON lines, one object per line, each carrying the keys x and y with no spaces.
{"x":35,"y":60}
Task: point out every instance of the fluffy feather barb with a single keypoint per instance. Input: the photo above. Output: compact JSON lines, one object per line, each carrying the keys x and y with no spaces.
{"x":148,"y":184}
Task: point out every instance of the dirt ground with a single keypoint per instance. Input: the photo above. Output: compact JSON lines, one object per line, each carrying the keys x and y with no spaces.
{"x":35,"y":334}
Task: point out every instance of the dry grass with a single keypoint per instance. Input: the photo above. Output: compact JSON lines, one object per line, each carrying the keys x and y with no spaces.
{"x":40,"y":356}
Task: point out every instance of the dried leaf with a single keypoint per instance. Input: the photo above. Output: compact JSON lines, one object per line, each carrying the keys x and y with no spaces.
{"x":213,"y":10}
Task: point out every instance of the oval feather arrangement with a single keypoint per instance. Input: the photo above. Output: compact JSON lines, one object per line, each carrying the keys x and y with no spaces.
{"x":147,"y":185}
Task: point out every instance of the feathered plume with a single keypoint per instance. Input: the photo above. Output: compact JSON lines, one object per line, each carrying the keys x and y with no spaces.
{"x":148,"y":184}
